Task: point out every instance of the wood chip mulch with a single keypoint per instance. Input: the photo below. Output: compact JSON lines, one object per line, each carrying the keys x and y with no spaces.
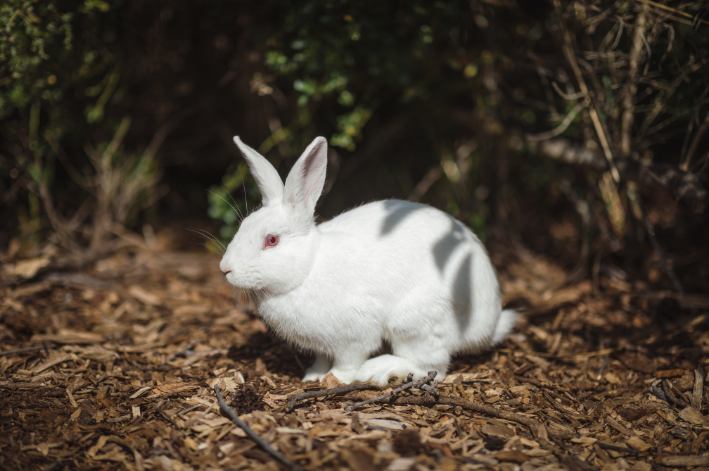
{"x":115,"y":368}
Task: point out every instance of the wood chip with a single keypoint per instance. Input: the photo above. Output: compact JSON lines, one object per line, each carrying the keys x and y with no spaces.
{"x":140,"y":392}
{"x":72,"y":401}
{"x":637,"y":443}
{"x":143,"y":296}
{"x":130,"y":375}
{"x":674,"y":373}
{"x":514,"y":456}
{"x":498,"y":431}
{"x":693,"y":416}
{"x":65,"y":336}
{"x":702,"y":460}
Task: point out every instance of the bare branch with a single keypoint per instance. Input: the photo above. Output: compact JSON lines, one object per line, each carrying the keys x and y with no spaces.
{"x":682,"y":185}
{"x":636,"y":54}
{"x":695,"y":143}
{"x":344,"y":389}
{"x":571,"y":58}
{"x":560,"y":128}
{"x":663,"y":97}
{"x":538,"y":428}
{"x":673,"y":10}
{"x":430,"y":378}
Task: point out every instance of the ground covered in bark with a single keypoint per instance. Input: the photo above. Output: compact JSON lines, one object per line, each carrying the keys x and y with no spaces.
{"x":114,"y":368}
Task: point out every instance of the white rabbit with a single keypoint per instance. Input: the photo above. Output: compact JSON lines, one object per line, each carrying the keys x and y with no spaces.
{"x":389,"y":271}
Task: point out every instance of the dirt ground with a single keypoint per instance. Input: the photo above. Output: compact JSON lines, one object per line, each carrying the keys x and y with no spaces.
{"x":114,"y":368}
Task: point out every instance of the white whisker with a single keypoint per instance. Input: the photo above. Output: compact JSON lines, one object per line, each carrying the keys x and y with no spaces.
{"x":221,"y":198}
{"x":238,"y":213}
{"x":246,"y":200}
{"x":207,"y":235}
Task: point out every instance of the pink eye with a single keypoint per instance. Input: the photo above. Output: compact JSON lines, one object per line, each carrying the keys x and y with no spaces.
{"x":270,"y":241}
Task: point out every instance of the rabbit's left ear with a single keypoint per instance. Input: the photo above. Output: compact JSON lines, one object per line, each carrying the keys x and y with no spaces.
{"x":307,"y":177}
{"x":268,"y":181}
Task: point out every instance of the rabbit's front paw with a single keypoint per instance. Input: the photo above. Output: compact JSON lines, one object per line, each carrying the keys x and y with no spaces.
{"x":380,"y":369}
{"x":345,"y":376}
{"x":313,"y":376}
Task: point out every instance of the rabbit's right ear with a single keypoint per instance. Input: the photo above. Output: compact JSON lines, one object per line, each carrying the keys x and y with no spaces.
{"x":306,"y":179}
{"x":267,"y":179}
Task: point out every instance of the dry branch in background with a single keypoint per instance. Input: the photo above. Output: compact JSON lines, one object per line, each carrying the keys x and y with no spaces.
{"x":568,"y":48}
{"x":636,"y":55}
{"x":682,"y":185}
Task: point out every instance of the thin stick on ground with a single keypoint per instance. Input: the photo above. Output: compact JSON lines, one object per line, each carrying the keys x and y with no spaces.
{"x":408,"y":385}
{"x":22,"y":350}
{"x":260,"y":441}
{"x":538,"y":429}
{"x":622,"y":449}
{"x":344,"y":389}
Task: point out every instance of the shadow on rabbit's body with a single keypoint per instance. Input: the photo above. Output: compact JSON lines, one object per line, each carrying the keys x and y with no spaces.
{"x":392,"y":270}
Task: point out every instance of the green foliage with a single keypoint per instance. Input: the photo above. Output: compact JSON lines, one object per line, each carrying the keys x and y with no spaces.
{"x":346,"y":57}
{"x":40,"y":54}
{"x":58,"y":74}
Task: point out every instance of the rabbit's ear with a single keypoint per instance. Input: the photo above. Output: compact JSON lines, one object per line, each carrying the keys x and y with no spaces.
{"x":307,"y":177}
{"x":267,"y":179}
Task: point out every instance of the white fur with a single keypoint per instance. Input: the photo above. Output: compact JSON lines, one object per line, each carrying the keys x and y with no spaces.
{"x":392,"y":270}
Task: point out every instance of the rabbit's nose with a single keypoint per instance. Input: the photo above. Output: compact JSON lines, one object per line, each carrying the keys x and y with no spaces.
{"x":226,"y":272}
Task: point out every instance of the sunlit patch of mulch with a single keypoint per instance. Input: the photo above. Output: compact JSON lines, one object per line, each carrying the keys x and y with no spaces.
{"x":114,"y":368}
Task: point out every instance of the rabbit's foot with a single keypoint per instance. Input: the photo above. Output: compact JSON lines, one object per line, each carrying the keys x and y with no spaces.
{"x":345,"y":376}
{"x":380,"y":369}
{"x":318,"y":369}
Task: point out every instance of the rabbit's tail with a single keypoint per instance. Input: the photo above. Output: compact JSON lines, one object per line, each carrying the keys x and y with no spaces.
{"x":505,"y":324}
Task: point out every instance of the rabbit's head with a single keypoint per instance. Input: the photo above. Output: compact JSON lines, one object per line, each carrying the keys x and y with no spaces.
{"x":275,"y":247}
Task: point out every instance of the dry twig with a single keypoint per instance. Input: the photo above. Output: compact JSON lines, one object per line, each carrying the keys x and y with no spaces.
{"x":621,"y":449}
{"x":673,"y":10}
{"x":636,"y":53}
{"x":560,"y":128}
{"x":22,"y":350}
{"x":695,"y":143}
{"x":672,"y":399}
{"x":260,"y":441}
{"x":571,"y":58}
{"x":430,"y":378}
{"x":344,"y":389}
{"x":538,"y":429}
{"x":681,"y":185}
